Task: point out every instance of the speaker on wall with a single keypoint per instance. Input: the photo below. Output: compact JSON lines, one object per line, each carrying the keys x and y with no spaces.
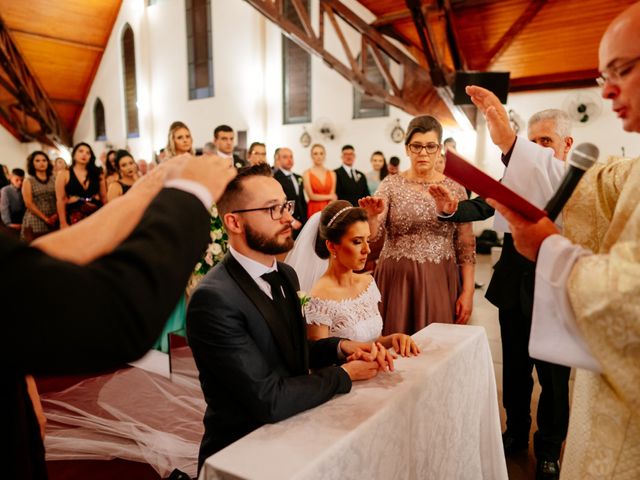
{"x":497,"y":82}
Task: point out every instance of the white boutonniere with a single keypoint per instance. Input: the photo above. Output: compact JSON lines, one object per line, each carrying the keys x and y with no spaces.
{"x":303,"y":297}
{"x":299,"y":179}
{"x":357,"y":176}
{"x":238,"y":165}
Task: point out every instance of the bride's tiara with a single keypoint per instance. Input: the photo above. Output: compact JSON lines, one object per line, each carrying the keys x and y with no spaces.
{"x":335,"y":217}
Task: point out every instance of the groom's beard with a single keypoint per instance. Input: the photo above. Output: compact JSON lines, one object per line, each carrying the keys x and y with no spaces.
{"x":268,"y":245}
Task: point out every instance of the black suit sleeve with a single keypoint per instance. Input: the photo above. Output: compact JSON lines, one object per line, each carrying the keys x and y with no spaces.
{"x":226,"y":354}
{"x":65,"y":318}
{"x":472,"y":210}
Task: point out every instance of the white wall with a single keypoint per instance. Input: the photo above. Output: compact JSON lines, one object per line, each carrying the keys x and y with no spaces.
{"x":13,"y":154}
{"x":161,"y":57}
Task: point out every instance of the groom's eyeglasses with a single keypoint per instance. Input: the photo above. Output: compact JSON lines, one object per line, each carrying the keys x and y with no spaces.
{"x":276,"y":211}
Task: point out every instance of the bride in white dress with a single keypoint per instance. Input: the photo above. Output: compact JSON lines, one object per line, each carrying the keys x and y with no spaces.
{"x":344,"y":303}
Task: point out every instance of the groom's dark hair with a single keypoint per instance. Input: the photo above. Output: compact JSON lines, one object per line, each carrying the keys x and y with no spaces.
{"x":234,"y":192}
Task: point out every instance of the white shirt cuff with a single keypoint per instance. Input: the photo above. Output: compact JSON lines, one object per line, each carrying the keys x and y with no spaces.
{"x":555,"y":336}
{"x":445,"y":215}
{"x":190,"y":186}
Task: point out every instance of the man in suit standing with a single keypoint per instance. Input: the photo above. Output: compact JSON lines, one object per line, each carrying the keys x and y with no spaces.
{"x":293,"y":188}
{"x":223,"y":139}
{"x":127,"y":265}
{"x":511,"y":290}
{"x":12,"y":206}
{"x":351,"y":184}
{"x":246,"y":329}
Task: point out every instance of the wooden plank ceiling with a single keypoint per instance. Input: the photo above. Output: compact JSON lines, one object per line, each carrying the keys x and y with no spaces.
{"x":543,"y":43}
{"x":62,"y":43}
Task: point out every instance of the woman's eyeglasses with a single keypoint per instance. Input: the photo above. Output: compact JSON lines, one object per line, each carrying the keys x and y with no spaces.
{"x":276,"y":211}
{"x":431,"y":147}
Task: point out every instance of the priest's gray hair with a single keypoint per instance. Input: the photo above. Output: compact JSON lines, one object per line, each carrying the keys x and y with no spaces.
{"x":559,"y":117}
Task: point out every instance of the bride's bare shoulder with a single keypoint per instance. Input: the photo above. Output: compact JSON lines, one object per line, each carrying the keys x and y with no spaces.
{"x":322,"y":288}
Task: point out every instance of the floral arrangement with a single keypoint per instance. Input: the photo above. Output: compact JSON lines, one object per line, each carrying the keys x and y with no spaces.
{"x":217,"y":247}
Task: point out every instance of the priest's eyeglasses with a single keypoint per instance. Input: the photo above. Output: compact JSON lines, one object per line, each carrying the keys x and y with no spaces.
{"x":616,"y":73}
{"x":430,"y":147}
{"x":276,"y":211}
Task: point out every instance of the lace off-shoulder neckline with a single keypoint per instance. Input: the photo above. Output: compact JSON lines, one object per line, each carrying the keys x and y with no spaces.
{"x":349,"y":299}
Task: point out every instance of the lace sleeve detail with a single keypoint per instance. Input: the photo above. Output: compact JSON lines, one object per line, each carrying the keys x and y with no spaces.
{"x":464,"y":241}
{"x":384,"y":190}
{"x":316,"y":312}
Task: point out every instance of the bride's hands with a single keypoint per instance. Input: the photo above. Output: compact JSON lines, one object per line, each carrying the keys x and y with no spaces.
{"x":368,"y":352}
{"x":404,"y":345}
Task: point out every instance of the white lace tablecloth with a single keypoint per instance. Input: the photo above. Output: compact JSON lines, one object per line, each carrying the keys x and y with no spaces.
{"x":435,"y":417}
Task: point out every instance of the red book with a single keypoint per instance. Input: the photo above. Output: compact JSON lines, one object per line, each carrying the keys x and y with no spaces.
{"x":479,"y":182}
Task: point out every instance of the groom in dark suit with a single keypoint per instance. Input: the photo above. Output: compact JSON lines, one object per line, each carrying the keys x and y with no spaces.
{"x":351,"y":184}
{"x":246,"y":329}
{"x":293,"y":188}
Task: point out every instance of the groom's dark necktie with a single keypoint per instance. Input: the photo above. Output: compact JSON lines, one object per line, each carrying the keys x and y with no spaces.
{"x":274,"y":279}
{"x":286,"y":306}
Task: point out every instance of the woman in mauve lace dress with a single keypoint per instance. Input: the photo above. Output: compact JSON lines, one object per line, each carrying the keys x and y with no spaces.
{"x":344,"y":303}
{"x":417,"y":271}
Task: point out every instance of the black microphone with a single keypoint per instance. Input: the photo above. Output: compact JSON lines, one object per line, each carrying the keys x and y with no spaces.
{"x":582,"y":159}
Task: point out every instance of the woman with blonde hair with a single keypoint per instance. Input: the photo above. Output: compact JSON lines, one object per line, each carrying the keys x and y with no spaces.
{"x":179,"y":140}
{"x":319,"y":182}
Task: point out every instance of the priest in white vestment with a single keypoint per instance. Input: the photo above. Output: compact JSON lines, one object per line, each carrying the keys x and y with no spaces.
{"x":587,"y":294}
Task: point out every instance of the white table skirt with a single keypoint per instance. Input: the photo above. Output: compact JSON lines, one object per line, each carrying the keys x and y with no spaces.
{"x":435,"y":417}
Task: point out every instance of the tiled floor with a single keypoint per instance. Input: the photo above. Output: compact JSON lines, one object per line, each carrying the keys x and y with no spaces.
{"x":521,"y":466}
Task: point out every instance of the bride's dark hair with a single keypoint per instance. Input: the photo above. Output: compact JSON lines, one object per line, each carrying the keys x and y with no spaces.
{"x":343,"y":215}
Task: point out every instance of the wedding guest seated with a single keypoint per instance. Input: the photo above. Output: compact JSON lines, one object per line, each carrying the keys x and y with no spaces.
{"x":345,"y":303}
{"x":127,"y":172}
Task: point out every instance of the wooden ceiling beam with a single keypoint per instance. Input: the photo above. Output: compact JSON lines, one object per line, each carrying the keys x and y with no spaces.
{"x":564,"y":80}
{"x":415,"y":95}
{"x":62,"y":41}
{"x":31,"y":99}
{"x":398,"y":15}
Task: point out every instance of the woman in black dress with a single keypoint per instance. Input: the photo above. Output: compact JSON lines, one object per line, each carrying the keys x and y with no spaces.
{"x":81,"y":190}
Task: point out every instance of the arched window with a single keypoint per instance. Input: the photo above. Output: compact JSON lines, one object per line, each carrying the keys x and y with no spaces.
{"x":99,"y":123}
{"x":130,"y":84}
{"x":199,"y":48}
{"x":363,"y":105}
